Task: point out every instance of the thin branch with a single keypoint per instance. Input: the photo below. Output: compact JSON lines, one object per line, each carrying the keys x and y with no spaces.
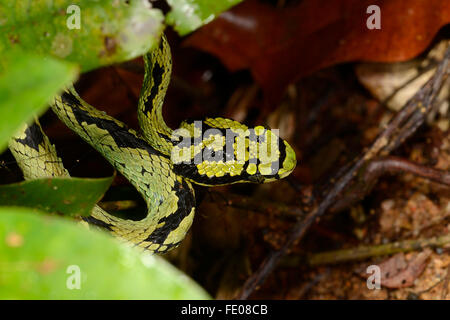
{"x":378,"y":167}
{"x":387,"y":165}
{"x":364,"y":252}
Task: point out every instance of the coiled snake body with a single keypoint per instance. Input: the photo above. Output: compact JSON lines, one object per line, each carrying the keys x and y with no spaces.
{"x":159,"y":162}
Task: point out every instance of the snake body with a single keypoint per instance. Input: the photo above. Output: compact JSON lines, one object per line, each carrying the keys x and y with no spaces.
{"x":160,"y":163}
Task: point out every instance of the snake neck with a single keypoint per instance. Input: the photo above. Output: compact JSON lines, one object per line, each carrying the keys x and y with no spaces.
{"x":158,"y":68}
{"x":155,"y":131}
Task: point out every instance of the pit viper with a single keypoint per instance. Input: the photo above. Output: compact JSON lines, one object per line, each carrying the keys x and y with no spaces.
{"x":159,"y":162}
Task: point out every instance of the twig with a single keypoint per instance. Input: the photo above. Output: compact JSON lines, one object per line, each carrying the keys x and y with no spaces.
{"x":420,"y":71}
{"x":397,"y":131}
{"x":387,"y":165}
{"x":364,"y":252}
{"x":378,"y":167}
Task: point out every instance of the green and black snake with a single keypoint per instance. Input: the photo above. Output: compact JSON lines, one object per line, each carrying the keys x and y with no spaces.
{"x":159,"y":162}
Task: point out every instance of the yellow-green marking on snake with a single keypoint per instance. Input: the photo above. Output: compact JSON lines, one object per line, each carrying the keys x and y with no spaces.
{"x":159,"y":162}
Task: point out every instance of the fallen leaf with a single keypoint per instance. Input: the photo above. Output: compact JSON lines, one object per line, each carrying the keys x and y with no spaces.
{"x":280,"y":45}
{"x":397,"y":272}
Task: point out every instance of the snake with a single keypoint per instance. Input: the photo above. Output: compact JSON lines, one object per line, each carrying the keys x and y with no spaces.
{"x":161,"y":163}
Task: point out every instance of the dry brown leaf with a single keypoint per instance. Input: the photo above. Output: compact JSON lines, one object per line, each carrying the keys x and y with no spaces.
{"x":280,"y":45}
{"x":397,"y":272}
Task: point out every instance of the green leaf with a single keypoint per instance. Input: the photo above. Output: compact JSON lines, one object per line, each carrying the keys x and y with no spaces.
{"x":41,"y":257}
{"x":188,"y":15}
{"x":27,"y":83}
{"x":91,"y":33}
{"x":69,"y":196}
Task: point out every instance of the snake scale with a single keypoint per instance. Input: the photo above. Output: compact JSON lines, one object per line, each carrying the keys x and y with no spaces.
{"x":159,"y":162}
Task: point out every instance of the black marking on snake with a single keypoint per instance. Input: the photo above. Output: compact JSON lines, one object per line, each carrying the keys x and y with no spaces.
{"x":168,"y":247}
{"x":143,"y":171}
{"x":165,"y":137}
{"x":185,"y":203}
{"x":213,"y":156}
{"x":190,"y":171}
{"x":157,"y":74}
{"x":70,"y":99}
{"x":262,"y":137}
{"x":33,"y":137}
{"x":282,"y":157}
{"x":98,"y":223}
{"x":117,"y":163}
{"x":121,"y":136}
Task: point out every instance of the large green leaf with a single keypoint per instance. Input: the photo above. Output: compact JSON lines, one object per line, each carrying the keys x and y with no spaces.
{"x":188,"y":15}
{"x":40,"y":258}
{"x":70,"y":196}
{"x":109,"y":31}
{"x":27,"y":83}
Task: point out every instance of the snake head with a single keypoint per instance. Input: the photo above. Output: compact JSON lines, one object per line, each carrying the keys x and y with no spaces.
{"x":222,"y":151}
